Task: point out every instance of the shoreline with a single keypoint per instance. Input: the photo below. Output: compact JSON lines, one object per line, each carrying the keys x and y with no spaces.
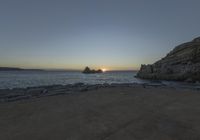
{"x":16,"y":94}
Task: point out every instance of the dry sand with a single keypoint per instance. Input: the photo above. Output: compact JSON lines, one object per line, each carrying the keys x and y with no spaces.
{"x":118,"y":113}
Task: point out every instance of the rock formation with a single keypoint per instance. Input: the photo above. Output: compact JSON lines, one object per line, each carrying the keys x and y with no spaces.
{"x":181,"y":64}
{"x":87,"y":70}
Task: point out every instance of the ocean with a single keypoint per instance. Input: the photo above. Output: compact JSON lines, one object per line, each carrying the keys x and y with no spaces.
{"x":23,"y":79}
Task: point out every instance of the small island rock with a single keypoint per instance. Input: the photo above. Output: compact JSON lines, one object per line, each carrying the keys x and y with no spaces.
{"x":87,"y":70}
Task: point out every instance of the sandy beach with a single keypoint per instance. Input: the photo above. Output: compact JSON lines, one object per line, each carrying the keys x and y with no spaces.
{"x":109,"y":113}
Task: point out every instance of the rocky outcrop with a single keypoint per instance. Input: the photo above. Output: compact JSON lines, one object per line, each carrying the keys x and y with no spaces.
{"x":182,"y":64}
{"x":87,"y":70}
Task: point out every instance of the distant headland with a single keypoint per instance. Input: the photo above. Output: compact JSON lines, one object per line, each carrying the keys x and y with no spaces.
{"x":17,"y":69}
{"x":87,"y":70}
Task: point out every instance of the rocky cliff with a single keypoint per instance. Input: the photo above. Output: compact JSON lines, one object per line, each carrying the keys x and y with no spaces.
{"x":182,"y":64}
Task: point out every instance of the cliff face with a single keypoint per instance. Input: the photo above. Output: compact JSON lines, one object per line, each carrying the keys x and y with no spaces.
{"x":182,"y":63}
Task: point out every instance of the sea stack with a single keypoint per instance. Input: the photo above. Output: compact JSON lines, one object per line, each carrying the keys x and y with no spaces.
{"x":181,"y":64}
{"x":87,"y":70}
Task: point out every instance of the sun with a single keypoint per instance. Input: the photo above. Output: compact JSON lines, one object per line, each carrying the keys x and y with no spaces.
{"x":104,"y":70}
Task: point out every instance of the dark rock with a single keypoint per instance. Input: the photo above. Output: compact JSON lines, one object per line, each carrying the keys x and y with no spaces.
{"x":189,"y":80}
{"x":181,"y":64}
{"x":87,"y":70}
{"x":36,"y":91}
{"x":78,"y":84}
{"x":105,"y":85}
{"x":44,"y":91}
{"x":84,"y":89}
{"x":92,"y":87}
{"x":16,"y":98}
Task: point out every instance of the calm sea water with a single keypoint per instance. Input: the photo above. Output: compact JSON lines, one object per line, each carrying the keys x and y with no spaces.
{"x":23,"y":79}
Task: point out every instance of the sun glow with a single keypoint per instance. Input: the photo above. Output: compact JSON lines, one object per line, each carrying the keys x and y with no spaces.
{"x":104,"y":70}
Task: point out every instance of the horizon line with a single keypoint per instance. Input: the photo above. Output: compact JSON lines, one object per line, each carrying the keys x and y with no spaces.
{"x":63,"y":69}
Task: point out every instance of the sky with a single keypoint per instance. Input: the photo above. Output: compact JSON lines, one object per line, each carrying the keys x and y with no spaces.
{"x":111,"y":34}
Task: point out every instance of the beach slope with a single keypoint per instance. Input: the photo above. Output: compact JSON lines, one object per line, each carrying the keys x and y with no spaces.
{"x":112,"y":113}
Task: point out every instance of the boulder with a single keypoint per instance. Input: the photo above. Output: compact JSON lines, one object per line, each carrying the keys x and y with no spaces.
{"x":182,"y":64}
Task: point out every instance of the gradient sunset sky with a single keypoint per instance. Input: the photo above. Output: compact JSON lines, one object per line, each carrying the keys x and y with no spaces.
{"x":111,"y":34}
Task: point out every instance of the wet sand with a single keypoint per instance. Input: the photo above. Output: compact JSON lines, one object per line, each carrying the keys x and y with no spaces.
{"x":110,"y":113}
